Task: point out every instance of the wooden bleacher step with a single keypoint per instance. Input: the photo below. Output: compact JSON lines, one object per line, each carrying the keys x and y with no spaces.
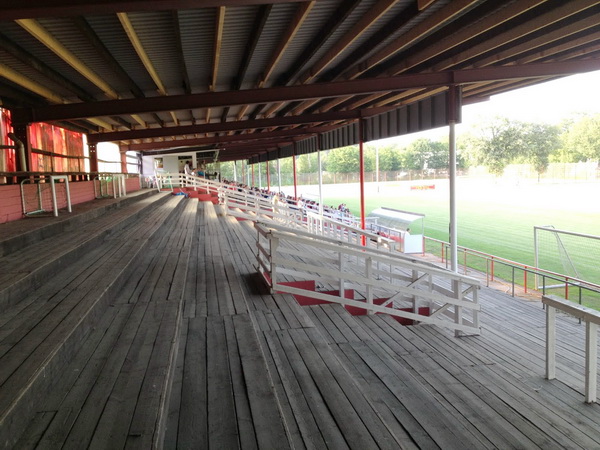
{"x":71,"y":314}
{"x":24,"y":271}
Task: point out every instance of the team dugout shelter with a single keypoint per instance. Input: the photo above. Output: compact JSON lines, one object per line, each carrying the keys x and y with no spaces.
{"x":406,"y":228}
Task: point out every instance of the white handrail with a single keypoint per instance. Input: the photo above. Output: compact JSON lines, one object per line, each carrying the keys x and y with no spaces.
{"x":375,"y":274}
{"x":591,"y":317}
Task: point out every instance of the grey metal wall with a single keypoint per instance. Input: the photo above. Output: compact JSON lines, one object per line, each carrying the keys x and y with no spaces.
{"x":426,"y":114}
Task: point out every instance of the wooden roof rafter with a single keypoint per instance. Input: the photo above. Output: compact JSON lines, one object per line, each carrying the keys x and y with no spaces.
{"x":302,"y":12}
{"x":39,"y":66}
{"x":216,"y":53}
{"x":146,"y":61}
{"x":86,"y":30}
{"x":363,"y":24}
{"x":224,"y":139}
{"x":262,"y":15}
{"x":509,"y":34}
{"x":67,"y":8}
{"x":299,"y":92}
{"x":181,"y":57}
{"x":434,"y":21}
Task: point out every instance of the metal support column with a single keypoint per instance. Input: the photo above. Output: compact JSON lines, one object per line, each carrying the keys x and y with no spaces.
{"x":454,"y":117}
{"x":361,"y":156}
{"x":268,"y":176}
{"x":295,"y":172}
{"x":279,"y":174}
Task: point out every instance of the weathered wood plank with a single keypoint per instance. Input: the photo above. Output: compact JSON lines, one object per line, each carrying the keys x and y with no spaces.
{"x":193,"y":415}
{"x":268,"y":423}
{"x":355,"y":431}
{"x":241,"y":392}
{"x":175,"y":402}
{"x":222,"y":423}
{"x":317,"y":426}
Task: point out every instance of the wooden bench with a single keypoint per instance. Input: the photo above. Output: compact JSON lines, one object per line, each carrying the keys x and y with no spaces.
{"x":38,"y":345}
{"x":46,"y":253}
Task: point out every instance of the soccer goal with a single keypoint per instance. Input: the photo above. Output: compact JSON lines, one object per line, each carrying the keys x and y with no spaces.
{"x":568,"y":253}
{"x":45,"y":194}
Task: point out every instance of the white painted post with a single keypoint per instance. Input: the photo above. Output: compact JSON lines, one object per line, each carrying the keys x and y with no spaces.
{"x":68,"y":194}
{"x":341,"y":269}
{"x":53,"y":188}
{"x":272,"y":252}
{"x":550,"y":342}
{"x":320,"y":184}
{"x":369,"y":275}
{"x":591,"y":361}
{"x":40,"y":202}
{"x":279,"y":174}
{"x":452,"y":185}
{"x":457,"y":309}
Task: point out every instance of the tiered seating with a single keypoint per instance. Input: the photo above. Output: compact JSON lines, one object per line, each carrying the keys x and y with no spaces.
{"x":161,"y":334}
{"x":92,"y":340}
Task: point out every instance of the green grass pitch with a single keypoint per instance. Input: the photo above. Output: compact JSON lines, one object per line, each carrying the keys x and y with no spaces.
{"x":494,"y":216}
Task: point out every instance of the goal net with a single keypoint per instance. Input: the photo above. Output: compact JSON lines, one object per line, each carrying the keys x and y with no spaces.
{"x":37,"y":196}
{"x":571,"y":254}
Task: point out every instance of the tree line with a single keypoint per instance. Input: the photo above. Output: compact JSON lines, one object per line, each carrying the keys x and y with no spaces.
{"x":494,"y":144}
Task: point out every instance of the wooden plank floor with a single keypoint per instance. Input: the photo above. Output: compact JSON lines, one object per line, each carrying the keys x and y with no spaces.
{"x":368,"y":382}
{"x":68,"y":353}
{"x":203,"y":348}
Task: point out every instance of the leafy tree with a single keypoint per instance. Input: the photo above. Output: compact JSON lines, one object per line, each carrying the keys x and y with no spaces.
{"x":309,"y":163}
{"x":539,"y":141}
{"x":343,"y":160}
{"x":498,"y":144}
{"x":389,"y":159}
{"x":581,"y":141}
{"x":425,"y":154}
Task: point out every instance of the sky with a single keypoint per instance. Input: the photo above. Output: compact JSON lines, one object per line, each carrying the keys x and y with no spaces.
{"x":548,"y":102}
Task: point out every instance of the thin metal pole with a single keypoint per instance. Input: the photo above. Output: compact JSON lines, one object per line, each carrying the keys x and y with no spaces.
{"x":259,"y":176}
{"x":235,"y":171}
{"x":453,"y":230}
{"x":268,"y":176}
{"x":361,"y":175}
{"x":377,"y":167}
{"x":295,"y":173}
{"x":320,"y":183}
{"x":279,"y":174}
{"x":252,"y":175}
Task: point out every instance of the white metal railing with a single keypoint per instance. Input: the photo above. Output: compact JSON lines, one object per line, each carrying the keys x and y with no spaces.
{"x":389,"y":283}
{"x":165,"y":180}
{"x":346,"y":231}
{"x":255,"y":206}
{"x":591,"y":317}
